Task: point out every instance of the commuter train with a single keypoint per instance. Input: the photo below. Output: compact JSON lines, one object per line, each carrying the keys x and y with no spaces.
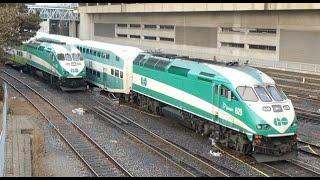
{"x":235,"y":105}
{"x":59,"y":63}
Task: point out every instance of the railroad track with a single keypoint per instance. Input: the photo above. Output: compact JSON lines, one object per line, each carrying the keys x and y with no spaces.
{"x":305,"y":115}
{"x":262,"y":168}
{"x":294,"y":168}
{"x":180,"y":157}
{"x":92,"y":155}
{"x":302,"y":77}
{"x":309,"y":148}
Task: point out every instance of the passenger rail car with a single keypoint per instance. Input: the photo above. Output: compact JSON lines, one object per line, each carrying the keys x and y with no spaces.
{"x":109,"y":66}
{"x":59,"y":63}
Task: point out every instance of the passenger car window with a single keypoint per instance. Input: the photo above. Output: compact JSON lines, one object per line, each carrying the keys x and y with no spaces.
{"x":112,"y":71}
{"x":247,"y":94}
{"x":262,"y":93}
{"x":117,"y":73}
{"x":121,"y":74}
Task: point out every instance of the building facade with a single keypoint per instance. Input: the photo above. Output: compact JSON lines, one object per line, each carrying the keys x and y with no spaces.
{"x":281,"y":35}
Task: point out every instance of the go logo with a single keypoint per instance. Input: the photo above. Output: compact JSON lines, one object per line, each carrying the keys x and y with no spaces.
{"x":143,"y":81}
{"x":280,"y":122}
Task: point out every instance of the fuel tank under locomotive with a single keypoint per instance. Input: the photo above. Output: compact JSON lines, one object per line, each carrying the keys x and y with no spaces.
{"x":72,"y":84}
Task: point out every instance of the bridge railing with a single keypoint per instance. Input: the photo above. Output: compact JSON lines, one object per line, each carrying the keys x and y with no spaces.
{"x":55,"y":13}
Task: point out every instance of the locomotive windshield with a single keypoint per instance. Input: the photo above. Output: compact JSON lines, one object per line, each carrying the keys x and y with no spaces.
{"x":68,"y":57}
{"x":262,"y":93}
{"x":246,"y":93}
{"x":76,"y":57}
{"x":61,"y":57}
{"x":274,"y":92}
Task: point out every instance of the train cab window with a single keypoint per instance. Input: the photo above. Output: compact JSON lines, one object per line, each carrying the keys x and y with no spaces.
{"x":274,"y":92}
{"x":117,"y":58}
{"x":112,"y":71}
{"x":68,"y":57}
{"x":76,"y":57}
{"x":121,"y":74}
{"x":80,"y":49}
{"x":224,"y":92}
{"x":87,"y":70}
{"x":61,"y":57}
{"x":116,"y":73}
{"x":247,"y":94}
{"x":262,"y":93}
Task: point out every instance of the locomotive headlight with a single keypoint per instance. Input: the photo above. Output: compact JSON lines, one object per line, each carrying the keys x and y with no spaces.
{"x":286,"y":107}
{"x":262,"y":126}
{"x":266,"y":108}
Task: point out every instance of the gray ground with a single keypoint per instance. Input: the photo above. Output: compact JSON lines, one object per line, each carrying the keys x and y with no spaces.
{"x":51,"y":155}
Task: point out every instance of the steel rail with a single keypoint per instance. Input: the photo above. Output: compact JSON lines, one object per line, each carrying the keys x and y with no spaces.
{"x":98,"y":170}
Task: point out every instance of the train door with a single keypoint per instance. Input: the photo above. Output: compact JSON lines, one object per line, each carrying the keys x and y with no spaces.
{"x":218,"y":103}
{"x":226,"y":106}
{"x":52,"y":66}
{"x":105,"y":78}
{"x":214,"y":102}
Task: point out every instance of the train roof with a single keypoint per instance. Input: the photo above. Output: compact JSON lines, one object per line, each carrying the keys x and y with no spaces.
{"x":237,"y":75}
{"x":65,"y":39}
{"x":123,"y":52}
{"x":57,"y":48}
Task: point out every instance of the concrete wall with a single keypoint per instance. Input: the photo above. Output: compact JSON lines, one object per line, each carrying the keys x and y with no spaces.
{"x":44,"y":26}
{"x":85,"y":26}
{"x":300,"y":46}
{"x":3,"y":131}
{"x":196,"y":36}
{"x":104,"y":29}
{"x":198,"y":32}
{"x":186,"y":7}
{"x":73,"y":29}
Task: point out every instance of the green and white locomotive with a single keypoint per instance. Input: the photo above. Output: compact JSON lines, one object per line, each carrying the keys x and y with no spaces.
{"x":57,"y":62}
{"x":235,"y":105}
